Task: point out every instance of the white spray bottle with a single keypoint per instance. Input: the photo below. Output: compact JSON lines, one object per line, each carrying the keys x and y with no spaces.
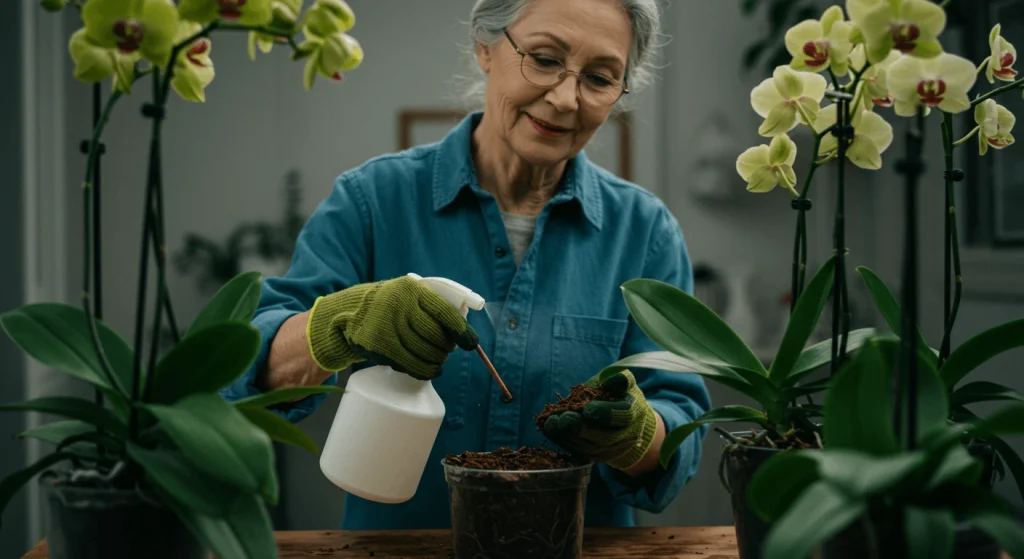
{"x":387,"y":422}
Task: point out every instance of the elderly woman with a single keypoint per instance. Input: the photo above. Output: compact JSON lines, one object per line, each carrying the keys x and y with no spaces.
{"x":509,"y":206}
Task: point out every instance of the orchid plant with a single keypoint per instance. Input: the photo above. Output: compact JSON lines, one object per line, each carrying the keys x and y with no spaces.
{"x":874,"y":59}
{"x":158,"y":426}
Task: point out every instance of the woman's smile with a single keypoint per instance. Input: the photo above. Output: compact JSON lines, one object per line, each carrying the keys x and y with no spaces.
{"x":546,"y":128}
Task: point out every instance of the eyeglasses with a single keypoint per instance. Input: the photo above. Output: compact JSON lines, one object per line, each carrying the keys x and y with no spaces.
{"x":545,"y":71}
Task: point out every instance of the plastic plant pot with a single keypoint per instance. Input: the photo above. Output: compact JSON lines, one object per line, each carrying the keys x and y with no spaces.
{"x":514,"y":514}
{"x":94,"y":523}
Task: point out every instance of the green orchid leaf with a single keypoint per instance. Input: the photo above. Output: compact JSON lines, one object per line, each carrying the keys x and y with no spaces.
{"x":777,"y":484}
{"x":221,"y":442}
{"x":58,"y":335}
{"x":680,"y":323}
{"x":990,"y":514}
{"x":929,"y":533}
{"x":10,"y":485}
{"x":860,"y":394}
{"x":889,"y":307}
{"x":282,"y":395}
{"x":793,"y":535}
{"x":863,"y":475}
{"x":57,"y":431}
{"x":280,"y":429}
{"x":245,"y":530}
{"x":183,"y":483}
{"x":982,"y":391}
{"x":1012,"y":460}
{"x":752,"y":384}
{"x":235,"y":301}
{"x":205,"y":362}
{"x":957,"y":466}
{"x":979,"y":349}
{"x":820,"y":354}
{"x":724,"y":414}
{"x":73,"y":408}
{"x":932,"y":398}
{"x":803,"y":320}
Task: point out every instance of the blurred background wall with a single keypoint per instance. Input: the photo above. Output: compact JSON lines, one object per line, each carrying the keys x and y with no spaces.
{"x":231,"y":161}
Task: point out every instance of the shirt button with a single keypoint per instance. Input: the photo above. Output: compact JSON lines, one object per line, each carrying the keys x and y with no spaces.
{"x":512,"y":324}
{"x":500,"y":252}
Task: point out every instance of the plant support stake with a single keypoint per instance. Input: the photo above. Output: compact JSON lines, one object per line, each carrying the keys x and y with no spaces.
{"x":906,"y":379}
{"x":840,"y":322}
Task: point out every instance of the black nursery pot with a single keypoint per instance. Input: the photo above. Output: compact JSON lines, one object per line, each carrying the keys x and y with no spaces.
{"x":854,"y":543}
{"x":740,"y":462}
{"x":517,"y":514}
{"x":93,"y":523}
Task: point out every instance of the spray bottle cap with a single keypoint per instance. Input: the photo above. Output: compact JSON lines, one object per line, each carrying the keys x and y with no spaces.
{"x":460,"y":296}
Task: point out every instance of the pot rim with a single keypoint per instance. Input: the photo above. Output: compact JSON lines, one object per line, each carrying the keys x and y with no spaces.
{"x":448,"y":468}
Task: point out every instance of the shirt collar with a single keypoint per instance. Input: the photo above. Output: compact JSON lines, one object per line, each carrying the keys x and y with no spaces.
{"x":454,"y":171}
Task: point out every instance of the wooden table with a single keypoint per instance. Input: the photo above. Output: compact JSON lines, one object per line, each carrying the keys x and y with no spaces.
{"x":718,"y":542}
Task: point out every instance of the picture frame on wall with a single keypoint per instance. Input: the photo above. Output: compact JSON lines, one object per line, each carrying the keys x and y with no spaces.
{"x":610,"y":147}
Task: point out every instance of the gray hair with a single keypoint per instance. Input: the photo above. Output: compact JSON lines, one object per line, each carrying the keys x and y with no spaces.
{"x":489,"y":19}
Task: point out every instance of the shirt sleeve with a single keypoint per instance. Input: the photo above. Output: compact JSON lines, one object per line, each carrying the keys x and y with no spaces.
{"x":678,"y":398}
{"x":331,"y":253}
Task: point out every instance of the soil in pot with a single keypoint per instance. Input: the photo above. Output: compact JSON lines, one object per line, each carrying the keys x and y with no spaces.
{"x":99,"y":523}
{"x":511,"y":504}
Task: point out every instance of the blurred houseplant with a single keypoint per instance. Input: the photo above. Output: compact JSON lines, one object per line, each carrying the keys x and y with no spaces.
{"x":161,"y":465}
{"x":887,"y":54}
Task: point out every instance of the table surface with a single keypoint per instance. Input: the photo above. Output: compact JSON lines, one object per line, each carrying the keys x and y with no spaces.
{"x":717,"y":542}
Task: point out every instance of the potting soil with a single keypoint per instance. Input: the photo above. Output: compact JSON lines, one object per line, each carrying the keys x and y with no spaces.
{"x":579,"y":396}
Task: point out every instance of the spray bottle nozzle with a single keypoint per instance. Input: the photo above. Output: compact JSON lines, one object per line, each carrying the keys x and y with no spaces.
{"x":463,"y":299}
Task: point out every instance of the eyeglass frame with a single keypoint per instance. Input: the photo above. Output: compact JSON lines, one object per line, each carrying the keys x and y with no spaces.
{"x":565,"y":74}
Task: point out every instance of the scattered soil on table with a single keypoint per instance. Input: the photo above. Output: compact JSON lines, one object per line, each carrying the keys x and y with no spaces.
{"x":579,"y":396}
{"x":506,"y":459}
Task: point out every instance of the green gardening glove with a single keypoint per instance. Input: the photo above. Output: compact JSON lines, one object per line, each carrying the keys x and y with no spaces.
{"x":617,"y":433}
{"x":400,"y":323}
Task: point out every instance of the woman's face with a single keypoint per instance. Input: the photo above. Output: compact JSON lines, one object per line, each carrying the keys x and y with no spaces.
{"x":548,"y":125}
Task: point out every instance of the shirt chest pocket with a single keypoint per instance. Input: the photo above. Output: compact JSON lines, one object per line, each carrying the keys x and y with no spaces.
{"x":582,"y":346}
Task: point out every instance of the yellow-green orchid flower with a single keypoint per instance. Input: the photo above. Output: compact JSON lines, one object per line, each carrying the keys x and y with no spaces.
{"x":284,"y":16}
{"x":873,"y":89}
{"x":94,"y":63}
{"x":327,"y":17}
{"x":995,"y":124}
{"x":941,"y":82}
{"x":331,"y":56}
{"x":819,"y":45}
{"x":245,"y":12}
{"x":786,"y":99}
{"x":872,"y":135}
{"x":765,"y":167}
{"x":193,"y":70}
{"x":909,"y":26}
{"x":133,"y":27}
{"x":1000,"y":62}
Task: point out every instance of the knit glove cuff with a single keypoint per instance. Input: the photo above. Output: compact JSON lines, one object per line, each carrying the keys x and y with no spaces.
{"x":325,"y":329}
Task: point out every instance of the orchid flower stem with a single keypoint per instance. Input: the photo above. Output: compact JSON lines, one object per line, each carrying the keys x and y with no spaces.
{"x":1008,"y":87}
{"x":952,"y":280}
{"x":87,"y":302}
{"x":800,"y":241}
{"x":835,"y":80}
{"x":840,"y":322}
{"x":945,"y":3}
{"x":961,"y":141}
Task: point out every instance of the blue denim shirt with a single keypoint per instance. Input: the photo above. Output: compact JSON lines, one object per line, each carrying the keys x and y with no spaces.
{"x":556,"y":320}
